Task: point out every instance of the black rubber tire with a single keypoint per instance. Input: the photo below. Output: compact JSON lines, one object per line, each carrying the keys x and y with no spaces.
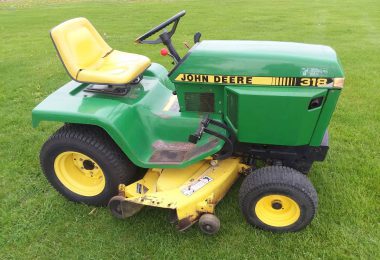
{"x":122,"y":209}
{"x":278,"y":180}
{"x":209,"y":224}
{"x":114,"y":206}
{"x":94,"y":142}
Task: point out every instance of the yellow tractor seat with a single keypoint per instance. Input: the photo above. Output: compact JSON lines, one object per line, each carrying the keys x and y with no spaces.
{"x":88,"y":58}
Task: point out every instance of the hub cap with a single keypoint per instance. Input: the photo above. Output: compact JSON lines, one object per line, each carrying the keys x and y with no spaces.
{"x":277,"y":210}
{"x":79,"y":173}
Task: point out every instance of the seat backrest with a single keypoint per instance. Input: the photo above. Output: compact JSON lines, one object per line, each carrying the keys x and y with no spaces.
{"x":78,"y":44}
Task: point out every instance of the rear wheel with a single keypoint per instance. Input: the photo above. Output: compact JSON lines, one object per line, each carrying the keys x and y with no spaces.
{"x":278,"y":198}
{"x":85,"y":165}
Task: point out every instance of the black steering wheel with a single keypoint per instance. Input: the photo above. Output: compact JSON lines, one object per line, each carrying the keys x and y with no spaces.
{"x":175,"y":19}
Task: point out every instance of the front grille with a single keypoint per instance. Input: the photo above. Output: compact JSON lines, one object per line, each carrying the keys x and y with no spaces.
{"x":199,"y":102}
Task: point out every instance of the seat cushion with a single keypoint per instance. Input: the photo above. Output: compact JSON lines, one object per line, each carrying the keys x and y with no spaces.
{"x":115,"y":68}
{"x":78,"y":44}
{"x":88,"y":58}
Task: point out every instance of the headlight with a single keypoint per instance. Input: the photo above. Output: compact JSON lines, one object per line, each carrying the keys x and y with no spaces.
{"x":338,"y":82}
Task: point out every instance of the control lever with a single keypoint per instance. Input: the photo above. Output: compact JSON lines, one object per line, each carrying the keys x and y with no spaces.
{"x":228,"y":142}
{"x":197,"y":37}
{"x":194,"y":138}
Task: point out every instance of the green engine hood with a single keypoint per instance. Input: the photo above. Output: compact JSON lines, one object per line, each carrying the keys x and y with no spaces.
{"x":260,"y":58}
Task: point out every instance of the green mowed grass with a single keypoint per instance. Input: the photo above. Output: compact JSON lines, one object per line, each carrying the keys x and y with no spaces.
{"x":36,"y":222}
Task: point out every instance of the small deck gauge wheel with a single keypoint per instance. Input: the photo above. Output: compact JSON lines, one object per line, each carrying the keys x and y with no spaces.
{"x":278,"y":199}
{"x":122,"y":208}
{"x":115,"y":206}
{"x":209,"y":224}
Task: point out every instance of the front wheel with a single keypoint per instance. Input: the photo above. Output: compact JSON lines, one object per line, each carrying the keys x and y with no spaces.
{"x":85,"y":165}
{"x":278,"y":199}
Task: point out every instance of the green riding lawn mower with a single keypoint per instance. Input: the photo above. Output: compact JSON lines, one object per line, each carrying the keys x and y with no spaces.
{"x":136,"y":135}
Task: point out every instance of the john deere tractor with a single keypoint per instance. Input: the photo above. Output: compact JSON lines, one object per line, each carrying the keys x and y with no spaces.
{"x":136,"y":135}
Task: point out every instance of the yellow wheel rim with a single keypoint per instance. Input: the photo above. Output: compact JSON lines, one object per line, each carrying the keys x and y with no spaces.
{"x":79,"y":173}
{"x":277,"y":210}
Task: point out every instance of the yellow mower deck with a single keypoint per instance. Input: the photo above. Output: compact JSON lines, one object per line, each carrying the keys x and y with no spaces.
{"x":191,"y":191}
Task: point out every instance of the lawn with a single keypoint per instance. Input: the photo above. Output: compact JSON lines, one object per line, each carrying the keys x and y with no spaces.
{"x":36,"y":222}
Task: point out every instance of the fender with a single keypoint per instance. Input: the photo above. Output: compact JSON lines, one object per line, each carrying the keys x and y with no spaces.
{"x":135,"y":121}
